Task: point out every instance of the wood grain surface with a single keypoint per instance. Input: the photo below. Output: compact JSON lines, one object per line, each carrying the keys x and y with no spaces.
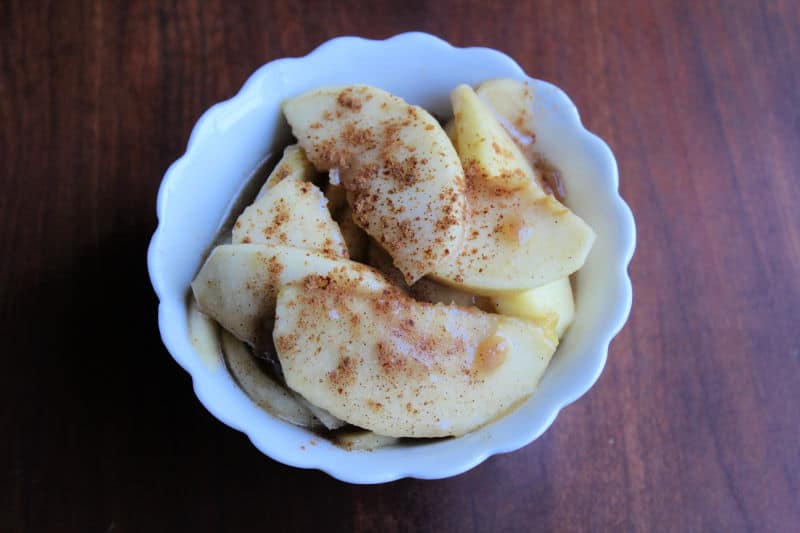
{"x":695,"y":422}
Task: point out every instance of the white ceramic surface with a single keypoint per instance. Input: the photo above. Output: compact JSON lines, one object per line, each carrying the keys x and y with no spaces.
{"x":234,"y":136}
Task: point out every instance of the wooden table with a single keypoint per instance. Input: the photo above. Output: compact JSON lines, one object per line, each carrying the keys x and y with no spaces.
{"x":695,"y":422}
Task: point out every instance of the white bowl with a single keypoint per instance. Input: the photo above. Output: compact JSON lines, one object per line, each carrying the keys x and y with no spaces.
{"x":233,"y":137}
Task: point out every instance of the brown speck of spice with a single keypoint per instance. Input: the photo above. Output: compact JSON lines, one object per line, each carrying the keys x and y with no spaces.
{"x":349,"y":101}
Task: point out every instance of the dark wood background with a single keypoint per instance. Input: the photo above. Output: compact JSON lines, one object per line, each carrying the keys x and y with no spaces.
{"x":695,"y":422}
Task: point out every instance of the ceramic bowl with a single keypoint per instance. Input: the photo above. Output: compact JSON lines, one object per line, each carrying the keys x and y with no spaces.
{"x":234,"y":137}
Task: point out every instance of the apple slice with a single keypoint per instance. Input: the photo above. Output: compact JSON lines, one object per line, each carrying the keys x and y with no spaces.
{"x":403,"y":178}
{"x":552,"y":302}
{"x":517,"y":241}
{"x":238,"y":284}
{"x":323,"y":417}
{"x":267,"y":393}
{"x":359,"y":439}
{"x":293,"y":165}
{"x":511,"y":102}
{"x":518,"y":236}
{"x":291,"y":213}
{"x":485,"y":147}
{"x":204,"y":334}
{"x":383,"y":361}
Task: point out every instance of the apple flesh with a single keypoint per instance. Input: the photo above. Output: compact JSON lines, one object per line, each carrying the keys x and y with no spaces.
{"x":259,"y":386}
{"x":403,"y":178}
{"x":383,"y":361}
{"x":511,"y":101}
{"x":291,"y":213}
{"x":518,"y":236}
{"x":238,"y":284}
{"x":293,"y":165}
{"x":549,"y":303}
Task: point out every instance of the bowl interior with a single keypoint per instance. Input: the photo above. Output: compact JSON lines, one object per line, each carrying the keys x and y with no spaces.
{"x":235,"y":137}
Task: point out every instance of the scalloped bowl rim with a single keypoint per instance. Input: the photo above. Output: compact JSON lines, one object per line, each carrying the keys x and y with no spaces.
{"x":393,"y":463}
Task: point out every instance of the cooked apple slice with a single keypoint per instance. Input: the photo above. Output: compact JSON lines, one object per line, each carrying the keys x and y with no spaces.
{"x":238,"y":284}
{"x":294,"y":165}
{"x":485,"y":147}
{"x":204,"y":334}
{"x":359,"y":439}
{"x":518,"y":236}
{"x":291,"y":213}
{"x":323,"y":417}
{"x":517,"y":241}
{"x":551,"y":302}
{"x":512,"y":103}
{"x":385,"y":362}
{"x":260,"y":386}
{"x":403,"y":178}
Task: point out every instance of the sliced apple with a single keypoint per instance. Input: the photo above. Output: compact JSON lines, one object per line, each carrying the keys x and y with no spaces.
{"x":512,"y":103}
{"x":323,"y":417}
{"x":517,"y":241}
{"x":260,"y":386}
{"x":204,"y":334}
{"x":551,"y":302}
{"x":359,"y":439}
{"x":294,"y":165}
{"x":238,"y":284}
{"x":403,"y":178}
{"x":383,"y":361}
{"x":291,"y":213}
{"x":486,"y":150}
{"x":518,"y":236}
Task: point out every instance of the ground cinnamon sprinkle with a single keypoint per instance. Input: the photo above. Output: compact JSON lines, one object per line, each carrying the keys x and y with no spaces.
{"x":286,"y":343}
{"x":281,"y":216}
{"x":282,"y":173}
{"x":473,"y":172}
{"x":375,"y":406}
{"x":344,"y":375}
{"x":275,"y":267}
{"x":347,"y":100}
{"x":317,"y":282}
{"x":330,"y":154}
{"x":358,"y":137}
{"x":405,"y":172}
